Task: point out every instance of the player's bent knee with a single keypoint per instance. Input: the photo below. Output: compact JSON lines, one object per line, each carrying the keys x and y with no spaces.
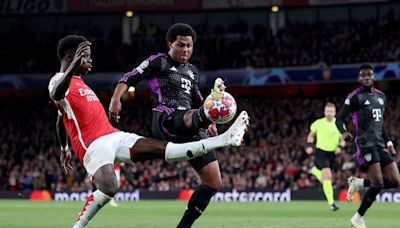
{"x":105,"y":180}
{"x":218,"y":184}
{"x":108,"y":187}
{"x":215,"y":183}
{"x":188,"y":118}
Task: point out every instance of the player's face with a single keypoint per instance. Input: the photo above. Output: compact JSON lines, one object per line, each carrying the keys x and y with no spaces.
{"x":181,"y":49}
{"x":366,"y":77}
{"x":330,"y":112}
{"x":86,"y":63}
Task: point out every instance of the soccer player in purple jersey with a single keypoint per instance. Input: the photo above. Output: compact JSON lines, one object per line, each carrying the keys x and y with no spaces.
{"x":178,"y":114}
{"x":373,"y":147}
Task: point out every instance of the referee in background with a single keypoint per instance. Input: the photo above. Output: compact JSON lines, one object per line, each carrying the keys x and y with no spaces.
{"x":329,"y":142}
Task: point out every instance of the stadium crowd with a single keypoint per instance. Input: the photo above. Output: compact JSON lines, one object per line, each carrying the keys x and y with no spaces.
{"x":235,"y":46}
{"x":273,"y":157}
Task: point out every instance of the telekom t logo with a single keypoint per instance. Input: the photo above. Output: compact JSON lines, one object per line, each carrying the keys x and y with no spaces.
{"x":376,"y":114}
{"x":186,"y":84}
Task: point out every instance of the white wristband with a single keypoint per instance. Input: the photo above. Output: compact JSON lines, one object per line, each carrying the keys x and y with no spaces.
{"x":389,"y":144}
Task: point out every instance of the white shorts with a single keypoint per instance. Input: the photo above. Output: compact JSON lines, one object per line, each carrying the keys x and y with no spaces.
{"x":109,"y":149}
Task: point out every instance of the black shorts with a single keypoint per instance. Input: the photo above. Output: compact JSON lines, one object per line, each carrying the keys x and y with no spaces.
{"x":170,"y":127}
{"x":324,"y":159}
{"x":372,"y":155}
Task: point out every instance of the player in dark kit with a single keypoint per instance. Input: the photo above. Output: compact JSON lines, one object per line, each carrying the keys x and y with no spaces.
{"x":373,"y":148}
{"x":175,"y":92}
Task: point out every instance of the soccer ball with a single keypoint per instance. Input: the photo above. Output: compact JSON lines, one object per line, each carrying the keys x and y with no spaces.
{"x":220,"y":107}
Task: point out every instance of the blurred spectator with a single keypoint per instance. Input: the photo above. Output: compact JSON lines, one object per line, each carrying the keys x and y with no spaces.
{"x":236,"y":46}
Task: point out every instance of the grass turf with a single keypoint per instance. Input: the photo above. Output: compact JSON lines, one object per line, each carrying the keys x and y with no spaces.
{"x":308,"y":214}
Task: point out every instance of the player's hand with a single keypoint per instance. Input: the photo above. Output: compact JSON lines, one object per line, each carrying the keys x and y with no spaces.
{"x":391,"y":150}
{"x":219,"y":85}
{"x":338,"y":151}
{"x":114,"y":110}
{"x":65,"y":159}
{"x":309,"y":148}
{"x":83,"y":48}
{"x":347,"y":136}
{"x":212,"y":130}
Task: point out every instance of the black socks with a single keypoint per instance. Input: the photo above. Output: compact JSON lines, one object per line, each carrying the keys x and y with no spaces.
{"x":197,"y":204}
{"x":369,"y":198}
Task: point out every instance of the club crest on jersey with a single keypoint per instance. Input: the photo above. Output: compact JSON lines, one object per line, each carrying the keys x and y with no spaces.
{"x":380,"y":101}
{"x":144,"y":64}
{"x":191,"y":74}
{"x":368,"y":157}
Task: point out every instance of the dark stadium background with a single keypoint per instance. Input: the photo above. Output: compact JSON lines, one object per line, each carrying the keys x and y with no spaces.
{"x":280,"y":66}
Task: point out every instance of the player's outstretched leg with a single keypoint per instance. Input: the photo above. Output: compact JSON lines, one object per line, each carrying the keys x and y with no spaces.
{"x":146,"y":149}
{"x":232,"y":137}
{"x":106,"y":184}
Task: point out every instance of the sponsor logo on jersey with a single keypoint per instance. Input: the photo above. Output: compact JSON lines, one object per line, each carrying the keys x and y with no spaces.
{"x":377,"y":114}
{"x":90,"y":95}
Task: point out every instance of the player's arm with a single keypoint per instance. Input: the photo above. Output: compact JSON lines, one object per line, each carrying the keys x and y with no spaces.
{"x":65,"y":155}
{"x":115,"y":103}
{"x":386,"y":137}
{"x":309,"y":148}
{"x":388,"y":142}
{"x":148,"y":67}
{"x":342,"y":144}
{"x":59,"y":86}
{"x":197,"y":98}
{"x":344,"y":111}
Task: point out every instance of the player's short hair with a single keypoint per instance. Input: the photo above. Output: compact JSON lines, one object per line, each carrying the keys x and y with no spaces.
{"x":330,"y":105}
{"x":67,"y":43}
{"x":180,"y":29}
{"x":365,"y":66}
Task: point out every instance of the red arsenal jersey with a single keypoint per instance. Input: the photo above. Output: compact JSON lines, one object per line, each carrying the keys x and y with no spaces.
{"x":84,"y":117}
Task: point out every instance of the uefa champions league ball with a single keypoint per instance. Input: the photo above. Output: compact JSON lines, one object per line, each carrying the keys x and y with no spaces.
{"x":220,"y":107}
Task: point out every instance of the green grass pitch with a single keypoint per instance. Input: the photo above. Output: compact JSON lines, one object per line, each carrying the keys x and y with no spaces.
{"x":307,"y":214}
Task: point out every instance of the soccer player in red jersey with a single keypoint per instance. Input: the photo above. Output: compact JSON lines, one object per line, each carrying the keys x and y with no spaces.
{"x":97,"y":144}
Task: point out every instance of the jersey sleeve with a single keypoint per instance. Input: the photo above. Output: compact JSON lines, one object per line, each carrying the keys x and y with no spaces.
{"x":53,"y":81}
{"x":149,"y":67}
{"x":350,"y":105}
{"x":314,"y":126}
